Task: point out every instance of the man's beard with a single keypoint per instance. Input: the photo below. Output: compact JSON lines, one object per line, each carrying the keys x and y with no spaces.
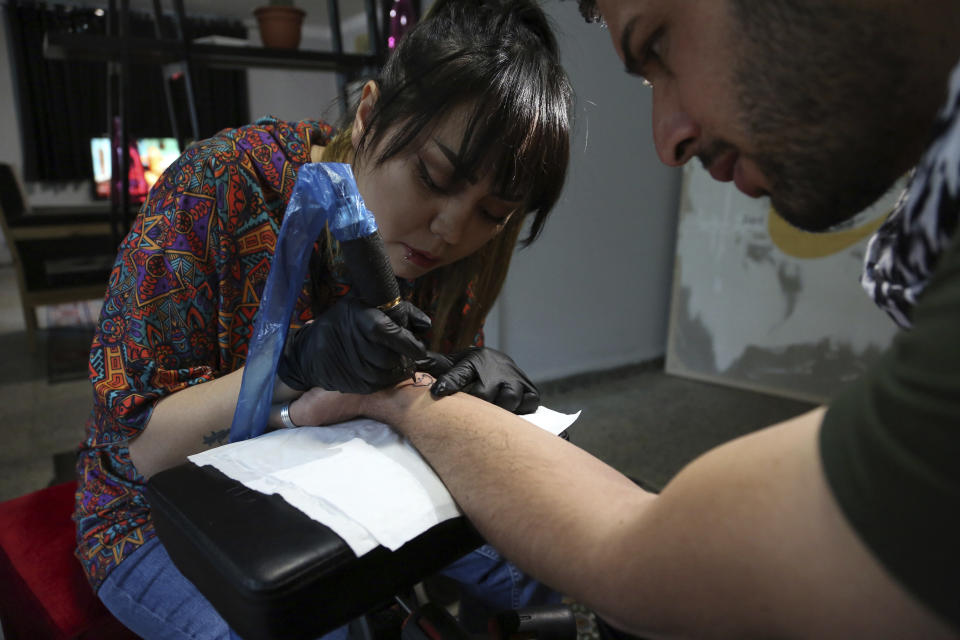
{"x":828,"y":108}
{"x":815,"y":188}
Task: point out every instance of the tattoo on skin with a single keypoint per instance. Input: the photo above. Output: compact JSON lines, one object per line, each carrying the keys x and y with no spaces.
{"x":422,"y":379}
{"x":216,"y":438}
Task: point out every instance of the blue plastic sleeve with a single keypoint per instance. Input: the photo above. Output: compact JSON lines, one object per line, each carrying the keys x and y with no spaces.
{"x":330,"y":187}
{"x":325,"y":193}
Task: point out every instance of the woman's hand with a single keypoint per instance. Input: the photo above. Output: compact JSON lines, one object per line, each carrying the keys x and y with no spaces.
{"x":485,"y":373}
{"x":352,"y":348}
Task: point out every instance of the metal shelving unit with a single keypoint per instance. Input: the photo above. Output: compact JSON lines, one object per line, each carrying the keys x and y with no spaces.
{"x":131,"y":50}
{"x":179,"y":55}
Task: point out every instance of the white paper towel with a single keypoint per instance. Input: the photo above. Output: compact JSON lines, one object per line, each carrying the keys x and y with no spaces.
{"x":360,"y":478}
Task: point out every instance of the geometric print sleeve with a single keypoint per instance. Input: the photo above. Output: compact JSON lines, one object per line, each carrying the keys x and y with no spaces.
{"x":187,"y":281}
{"x":159,"y":325}
{"x":179,"y":311}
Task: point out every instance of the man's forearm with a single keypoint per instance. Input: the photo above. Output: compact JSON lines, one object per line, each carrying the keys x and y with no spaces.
{"x":522,"y":487}
{"x":705,"y":558}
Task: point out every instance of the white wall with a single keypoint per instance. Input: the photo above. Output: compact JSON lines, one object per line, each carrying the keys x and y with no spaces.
{"x":299,"y":95}
{"x":593,"y":291}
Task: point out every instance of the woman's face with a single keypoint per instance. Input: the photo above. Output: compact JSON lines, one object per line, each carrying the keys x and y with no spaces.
{"x":429,"y":213}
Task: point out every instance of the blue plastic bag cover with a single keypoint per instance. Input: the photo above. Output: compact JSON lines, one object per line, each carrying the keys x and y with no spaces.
{"x":325,"y":194}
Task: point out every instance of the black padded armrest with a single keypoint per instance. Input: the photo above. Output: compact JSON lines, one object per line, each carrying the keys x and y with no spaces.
{"x":271,"y":571}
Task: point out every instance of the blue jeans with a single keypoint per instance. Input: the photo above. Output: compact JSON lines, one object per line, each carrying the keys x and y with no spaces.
{"x":149,"y":595}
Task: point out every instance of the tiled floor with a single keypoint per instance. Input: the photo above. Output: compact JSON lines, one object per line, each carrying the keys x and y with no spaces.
{"x":38,"y":420}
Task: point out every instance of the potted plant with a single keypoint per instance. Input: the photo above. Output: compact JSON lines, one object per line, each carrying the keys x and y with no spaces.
{"x":280,"y":24}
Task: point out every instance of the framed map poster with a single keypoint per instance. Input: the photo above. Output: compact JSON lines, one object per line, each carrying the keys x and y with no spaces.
{"x":761,"y":305}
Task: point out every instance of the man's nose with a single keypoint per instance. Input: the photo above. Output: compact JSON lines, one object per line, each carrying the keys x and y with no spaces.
{"x":675,"y":133}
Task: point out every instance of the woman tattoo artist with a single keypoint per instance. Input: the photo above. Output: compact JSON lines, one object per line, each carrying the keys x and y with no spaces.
{"x":463,"y":137}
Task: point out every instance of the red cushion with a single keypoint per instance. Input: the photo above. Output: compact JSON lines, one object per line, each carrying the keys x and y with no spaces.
{"x":43,"y":592}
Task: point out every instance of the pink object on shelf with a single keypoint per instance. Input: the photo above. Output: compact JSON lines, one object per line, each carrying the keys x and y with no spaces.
{"x":401,"y":20}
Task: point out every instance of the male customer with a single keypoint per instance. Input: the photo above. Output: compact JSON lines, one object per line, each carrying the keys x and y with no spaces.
{"x":843,"y":522}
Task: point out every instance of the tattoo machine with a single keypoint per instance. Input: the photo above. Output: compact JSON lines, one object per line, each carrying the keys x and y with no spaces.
{"x":325,"y":195}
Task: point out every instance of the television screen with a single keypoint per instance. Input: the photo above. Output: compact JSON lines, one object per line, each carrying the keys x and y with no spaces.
{"x":149,"y":157}
{"x":156,"y":154}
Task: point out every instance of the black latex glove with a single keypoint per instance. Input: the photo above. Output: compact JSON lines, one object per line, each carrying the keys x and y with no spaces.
{"x":485,"y":373}
{"x":436,"y":364}
{"x":352,"y":348}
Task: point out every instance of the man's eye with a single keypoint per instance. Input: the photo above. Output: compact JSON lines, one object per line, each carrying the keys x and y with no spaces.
{"x":651,"y":56}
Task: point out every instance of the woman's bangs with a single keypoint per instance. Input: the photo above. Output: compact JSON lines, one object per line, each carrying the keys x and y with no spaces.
{"x":523,"y":144}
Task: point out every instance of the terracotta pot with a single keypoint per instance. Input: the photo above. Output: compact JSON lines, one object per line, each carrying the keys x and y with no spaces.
{"x":280,"y":26}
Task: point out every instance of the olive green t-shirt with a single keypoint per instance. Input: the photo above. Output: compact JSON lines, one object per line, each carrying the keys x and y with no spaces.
{"x":890,"y":446}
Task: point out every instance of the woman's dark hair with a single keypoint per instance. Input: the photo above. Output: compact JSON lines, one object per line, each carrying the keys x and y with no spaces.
{"x":499,"y":60}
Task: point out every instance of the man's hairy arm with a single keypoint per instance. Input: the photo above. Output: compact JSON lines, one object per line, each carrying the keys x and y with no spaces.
{"x":745,"y":542}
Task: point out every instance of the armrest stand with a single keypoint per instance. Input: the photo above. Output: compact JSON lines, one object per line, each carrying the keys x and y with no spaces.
{"x":271,"y":571}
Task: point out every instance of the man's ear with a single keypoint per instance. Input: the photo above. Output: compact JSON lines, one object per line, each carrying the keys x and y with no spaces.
{"x":369,"y":97}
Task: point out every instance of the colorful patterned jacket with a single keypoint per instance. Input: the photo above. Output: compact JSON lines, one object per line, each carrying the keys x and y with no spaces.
{"x":180,"y":308}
